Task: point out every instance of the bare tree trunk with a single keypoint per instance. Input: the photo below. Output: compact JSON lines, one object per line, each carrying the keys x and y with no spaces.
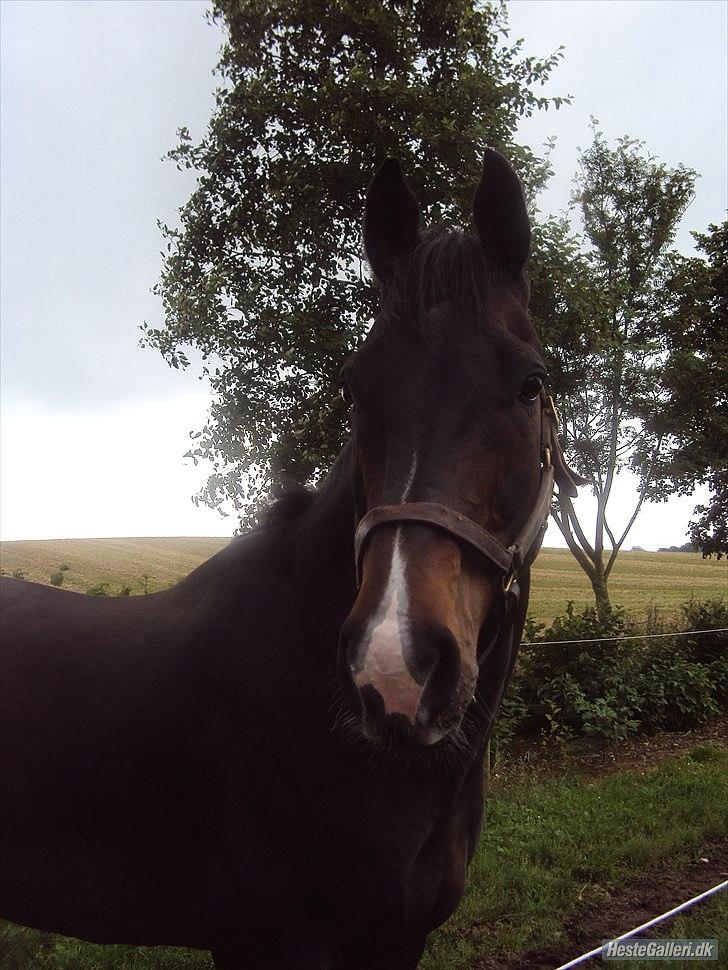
{"x":601,"y":591}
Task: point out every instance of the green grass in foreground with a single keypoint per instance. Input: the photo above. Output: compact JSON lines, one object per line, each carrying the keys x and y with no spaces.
{"x":639,"y":579}
{"x":545,"y":847}
{"x":708,"y":921}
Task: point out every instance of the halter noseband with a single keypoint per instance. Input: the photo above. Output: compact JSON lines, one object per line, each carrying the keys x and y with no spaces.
{"x":508,"y":559}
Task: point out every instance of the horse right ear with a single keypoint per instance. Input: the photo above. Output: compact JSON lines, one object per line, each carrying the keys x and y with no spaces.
{"x":391,"y":219}
{"x":500,"y":214}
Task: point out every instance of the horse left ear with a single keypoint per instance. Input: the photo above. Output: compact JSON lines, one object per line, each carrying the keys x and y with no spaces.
{"x":500,"y":215}
{"x":391,"y":219}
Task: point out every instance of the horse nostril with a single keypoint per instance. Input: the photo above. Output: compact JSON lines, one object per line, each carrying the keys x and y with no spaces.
{"x":372,"y":703}
{"x":440,"y":665}
{"x":399,"y":687}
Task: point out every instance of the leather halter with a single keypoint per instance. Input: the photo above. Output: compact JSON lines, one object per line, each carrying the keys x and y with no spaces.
{"x":508,"y":559}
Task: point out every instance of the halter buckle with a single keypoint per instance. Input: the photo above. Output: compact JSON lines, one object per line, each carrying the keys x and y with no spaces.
{"x":508,"y":581}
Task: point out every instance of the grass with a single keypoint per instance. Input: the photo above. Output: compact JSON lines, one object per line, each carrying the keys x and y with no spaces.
{"x":640,"y":579}
{"x":546,"y":846}
{"x":118,"y":562}
{"x":709,"y":921}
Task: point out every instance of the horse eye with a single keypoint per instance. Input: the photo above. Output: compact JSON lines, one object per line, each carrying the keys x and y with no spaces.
{"x":346,"y":396}
{"x":532,"y":387}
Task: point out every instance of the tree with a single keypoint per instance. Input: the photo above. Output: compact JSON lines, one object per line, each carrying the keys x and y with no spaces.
{"x":265,"y":275}
{"x":598,"y":299}
{"x":696,"y":377}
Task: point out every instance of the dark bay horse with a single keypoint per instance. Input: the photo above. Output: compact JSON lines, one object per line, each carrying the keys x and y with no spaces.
{"x":281,"y":758}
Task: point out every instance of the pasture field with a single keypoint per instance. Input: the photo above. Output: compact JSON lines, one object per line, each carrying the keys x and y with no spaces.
{"x":118,"y":562}
{"x":640,"y":580}
{"x":551,"y":850}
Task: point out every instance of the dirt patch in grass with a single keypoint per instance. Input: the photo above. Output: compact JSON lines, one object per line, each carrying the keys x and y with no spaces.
{"x":639,"y":753}
{"x":624,"y":907}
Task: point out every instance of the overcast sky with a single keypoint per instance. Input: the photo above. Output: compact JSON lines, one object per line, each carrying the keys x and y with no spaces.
{"x":93,"y":427}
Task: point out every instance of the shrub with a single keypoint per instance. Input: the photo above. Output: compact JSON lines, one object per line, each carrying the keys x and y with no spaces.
{"x":609,"y":690}
{"x":608,"y":720}
{"x":718,"y":676}
{"x":607,"y":716}
{"x":675,"y":691}
{"x":587,"y":658}
{"x":710,"y":614}
{"x":57,"y":578}
{"x":511,"y":716}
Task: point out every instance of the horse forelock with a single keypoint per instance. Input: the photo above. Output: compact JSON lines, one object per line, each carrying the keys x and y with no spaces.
{"x":445,"y":267}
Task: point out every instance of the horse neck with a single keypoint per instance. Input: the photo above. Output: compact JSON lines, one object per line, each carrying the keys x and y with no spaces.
{"x":324,"y":547}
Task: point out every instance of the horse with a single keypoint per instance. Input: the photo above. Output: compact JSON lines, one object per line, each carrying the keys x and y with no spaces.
{"x":280,"y":759}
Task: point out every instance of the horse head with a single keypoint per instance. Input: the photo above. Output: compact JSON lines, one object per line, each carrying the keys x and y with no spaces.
{"x":452,"y":442}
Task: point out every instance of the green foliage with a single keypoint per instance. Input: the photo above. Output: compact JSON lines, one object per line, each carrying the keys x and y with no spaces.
{"x":718,"y":676}
{"x":512,"y":715}
{"x":98,"y":589}
{"x":607,"y":690}
{"x":709,"y":531}
{"x":710,"y":614}
{"x":675,"y":692}
{"x":585,"y":661}
{"x":265,"y":276}
{"x":695,"y":307}
{"x":568,"y":710}
{"x":56,"y":578}
{"x":608,"y":718}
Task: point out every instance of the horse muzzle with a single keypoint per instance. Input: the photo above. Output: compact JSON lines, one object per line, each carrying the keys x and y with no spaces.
{"x":405,"y":682}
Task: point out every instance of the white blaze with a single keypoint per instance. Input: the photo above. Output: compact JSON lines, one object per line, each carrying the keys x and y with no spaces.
{"x":384,"y":664}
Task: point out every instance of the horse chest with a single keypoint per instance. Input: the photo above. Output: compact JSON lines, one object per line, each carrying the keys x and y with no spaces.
{"x":391,"y":856}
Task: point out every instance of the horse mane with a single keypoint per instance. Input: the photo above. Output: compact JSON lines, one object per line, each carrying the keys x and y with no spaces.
{"x":290,"y":504}
{"x":444,"y":266}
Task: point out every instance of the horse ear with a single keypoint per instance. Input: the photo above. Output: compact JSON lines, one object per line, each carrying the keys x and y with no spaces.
{"x":499,"y":211}
{"x":391,"y":219}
